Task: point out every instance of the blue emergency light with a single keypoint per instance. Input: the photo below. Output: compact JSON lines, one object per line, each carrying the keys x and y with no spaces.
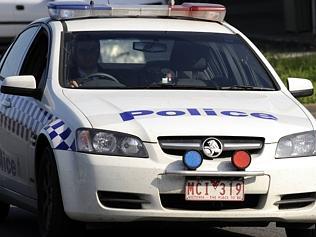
{"x":75,"y":9}
{"x":192,"y":159}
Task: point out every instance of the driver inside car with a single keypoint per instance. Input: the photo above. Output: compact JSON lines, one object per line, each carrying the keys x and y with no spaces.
{"x":86,"y":54}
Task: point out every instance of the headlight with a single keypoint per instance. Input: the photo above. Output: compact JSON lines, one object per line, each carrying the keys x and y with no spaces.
{"x":109,"y":143}
{"x":296,"y":145}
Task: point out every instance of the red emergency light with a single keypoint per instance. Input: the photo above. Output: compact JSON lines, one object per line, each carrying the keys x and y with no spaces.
{"x":241,"y":159}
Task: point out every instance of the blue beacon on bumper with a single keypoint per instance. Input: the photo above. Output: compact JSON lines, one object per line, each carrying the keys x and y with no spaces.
{"x":192,"y":160}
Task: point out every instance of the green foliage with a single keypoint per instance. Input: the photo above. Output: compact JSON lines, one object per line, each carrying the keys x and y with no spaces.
{"x":301,"y":66}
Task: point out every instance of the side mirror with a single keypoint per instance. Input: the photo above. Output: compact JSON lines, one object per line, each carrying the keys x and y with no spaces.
{"x":300,"y":87}
{"x":20,"y":85}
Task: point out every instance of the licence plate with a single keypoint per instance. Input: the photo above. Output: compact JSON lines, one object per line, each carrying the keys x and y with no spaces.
{"x":214,"y":190}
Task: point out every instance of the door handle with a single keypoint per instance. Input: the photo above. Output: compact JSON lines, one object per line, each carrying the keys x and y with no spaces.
{"x":6,"y":103}
{"x":19,"y":7}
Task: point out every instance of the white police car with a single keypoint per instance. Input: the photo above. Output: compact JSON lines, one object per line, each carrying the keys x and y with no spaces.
{"x":143,"y":113}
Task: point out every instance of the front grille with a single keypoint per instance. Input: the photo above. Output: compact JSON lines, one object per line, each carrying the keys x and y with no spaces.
{"x":297,"y":200}
{"x":179,"y":145}
{"x":121,"y":200}
{"x":177,"y":201}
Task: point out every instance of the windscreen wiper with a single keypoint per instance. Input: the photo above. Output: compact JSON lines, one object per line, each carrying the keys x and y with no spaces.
{"x":180,"y":87}
{"x":244,"y":87}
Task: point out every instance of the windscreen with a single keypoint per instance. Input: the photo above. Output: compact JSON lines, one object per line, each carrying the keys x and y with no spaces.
{"x":161,"y":60}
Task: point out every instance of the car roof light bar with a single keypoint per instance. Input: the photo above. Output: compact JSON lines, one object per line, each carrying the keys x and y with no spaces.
{"x":204,"y":11}
{"x":68,"y":10}
{"x":78,"y":9}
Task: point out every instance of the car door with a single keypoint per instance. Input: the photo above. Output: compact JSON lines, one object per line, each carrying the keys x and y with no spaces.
{"x":13,"y":143}
{"x":32,"y":110}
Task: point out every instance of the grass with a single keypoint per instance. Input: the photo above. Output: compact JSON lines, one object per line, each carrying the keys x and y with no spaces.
{"x":291,"y":65}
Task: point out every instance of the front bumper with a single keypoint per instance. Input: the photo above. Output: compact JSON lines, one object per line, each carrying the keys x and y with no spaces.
{"x":85,"y":179}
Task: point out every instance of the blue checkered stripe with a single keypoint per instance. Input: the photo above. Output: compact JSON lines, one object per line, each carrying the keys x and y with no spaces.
{"x":26,"y":118}
{"x":61,"y":135}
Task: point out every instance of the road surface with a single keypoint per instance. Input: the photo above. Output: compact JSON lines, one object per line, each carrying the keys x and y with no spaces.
{"x":23,"y":224}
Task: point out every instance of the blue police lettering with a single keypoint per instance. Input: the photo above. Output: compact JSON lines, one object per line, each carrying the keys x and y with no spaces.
{"x":210,"y":112}
{"x":131,"y":115}
{"x":7,"y":165}
{"x":234,"y":113}
{"x":264,"y":116}
{"x":194,"y":112}
{"x":171,"y":113}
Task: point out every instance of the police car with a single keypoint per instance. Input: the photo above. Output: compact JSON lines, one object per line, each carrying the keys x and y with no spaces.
{"x":143,"y":113}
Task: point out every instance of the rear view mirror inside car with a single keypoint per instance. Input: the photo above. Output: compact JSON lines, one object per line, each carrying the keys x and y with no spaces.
{"x":150,"y":47}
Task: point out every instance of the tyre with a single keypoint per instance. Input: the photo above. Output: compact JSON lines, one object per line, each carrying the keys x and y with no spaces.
{"x":300,"y":232}
{"x":53,"y":221}
{"x":4,"y":211}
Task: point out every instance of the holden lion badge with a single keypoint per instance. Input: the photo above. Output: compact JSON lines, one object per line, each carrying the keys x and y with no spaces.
{"x":212,"y":147}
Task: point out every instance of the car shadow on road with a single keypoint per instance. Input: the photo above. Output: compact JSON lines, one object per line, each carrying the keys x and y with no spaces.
{"x":21,"y":223}
{"x":182,"y":230}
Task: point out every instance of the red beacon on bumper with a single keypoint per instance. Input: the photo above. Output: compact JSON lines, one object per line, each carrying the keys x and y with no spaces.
{"x":241,"y":159}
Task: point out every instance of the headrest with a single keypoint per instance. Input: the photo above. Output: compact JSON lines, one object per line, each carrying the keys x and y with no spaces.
{"x":188,"y":56}
{"x":200,"y":65}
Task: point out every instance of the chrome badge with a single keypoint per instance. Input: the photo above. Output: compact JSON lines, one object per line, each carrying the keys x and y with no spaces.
{"x":212,"y":147}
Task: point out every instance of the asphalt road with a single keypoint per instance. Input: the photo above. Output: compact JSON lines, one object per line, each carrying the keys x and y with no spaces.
{"x":23,"y":224}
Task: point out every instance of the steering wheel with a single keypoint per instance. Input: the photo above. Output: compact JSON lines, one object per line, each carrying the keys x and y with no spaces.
{"x":100,"y":75}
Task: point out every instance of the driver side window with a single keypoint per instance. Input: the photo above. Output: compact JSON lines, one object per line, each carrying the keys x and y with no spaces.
{"x":35,"y":62}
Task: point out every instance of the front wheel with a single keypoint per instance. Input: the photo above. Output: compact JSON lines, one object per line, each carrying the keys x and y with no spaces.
{"x":53,"y":221}
{"x":300,"y":232}
{"x":4,"y":211}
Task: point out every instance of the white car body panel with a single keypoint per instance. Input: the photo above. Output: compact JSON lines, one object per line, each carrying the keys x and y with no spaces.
{"x":296,"y":84}
{"x":88,"y":208}
{"x":20,"y":81}
{"x":148,"y":24}
{"x":149,"y":127}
